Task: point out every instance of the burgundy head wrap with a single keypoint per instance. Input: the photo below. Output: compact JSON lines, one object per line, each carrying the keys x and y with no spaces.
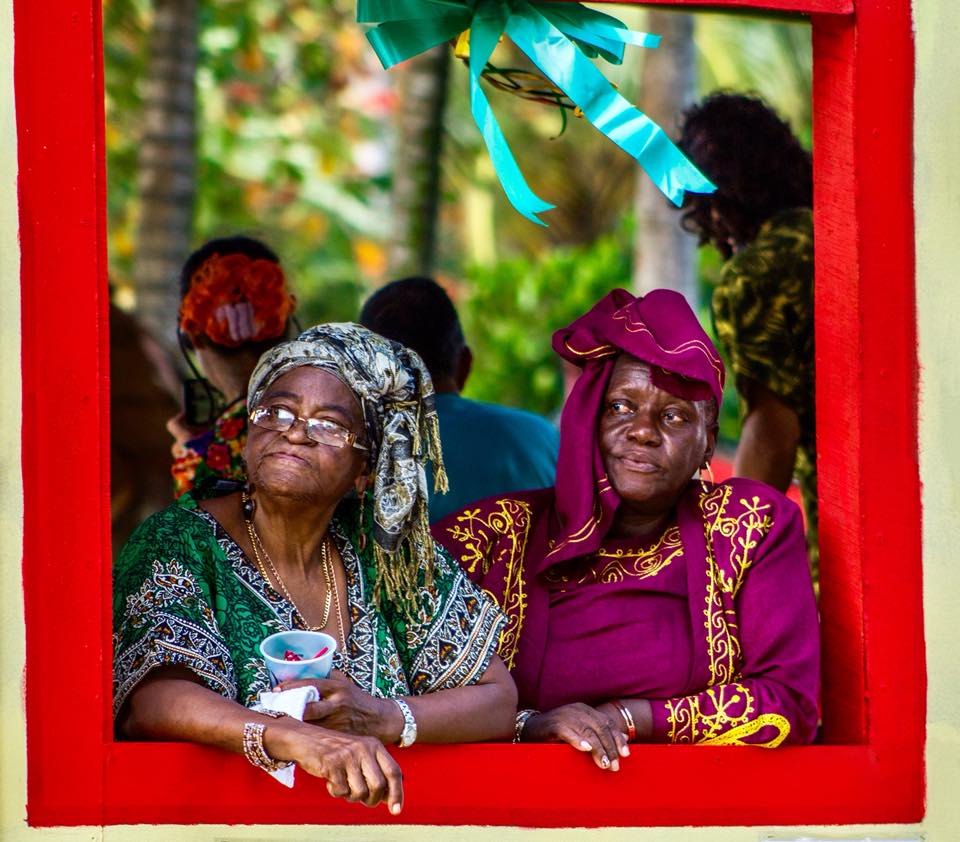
{"x":660,"y":329}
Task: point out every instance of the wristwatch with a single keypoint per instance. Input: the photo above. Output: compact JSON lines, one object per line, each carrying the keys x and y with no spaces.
{"x":408,"y":735}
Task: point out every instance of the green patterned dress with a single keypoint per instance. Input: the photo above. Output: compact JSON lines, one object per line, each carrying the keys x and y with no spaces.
{"x":763,"y":316}
{"x":185,"y":594}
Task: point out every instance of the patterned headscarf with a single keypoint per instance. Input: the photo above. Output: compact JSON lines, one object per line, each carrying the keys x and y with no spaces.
{"x":395,"y":392}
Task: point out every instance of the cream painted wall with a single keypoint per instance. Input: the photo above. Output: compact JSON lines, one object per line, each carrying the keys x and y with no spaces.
{"x":937,"y":206}
{"x":938,"y":255}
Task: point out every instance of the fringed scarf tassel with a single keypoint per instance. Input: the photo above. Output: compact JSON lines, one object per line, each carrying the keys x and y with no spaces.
{"x":398,"y":573}
{"x":441,"y":484}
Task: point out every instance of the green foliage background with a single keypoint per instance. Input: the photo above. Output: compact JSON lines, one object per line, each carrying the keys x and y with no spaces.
{"x":280,"y":129}
{"x":539,"y":295}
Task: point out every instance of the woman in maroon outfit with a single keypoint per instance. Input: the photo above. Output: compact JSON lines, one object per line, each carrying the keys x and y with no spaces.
{"x":645,"y":605}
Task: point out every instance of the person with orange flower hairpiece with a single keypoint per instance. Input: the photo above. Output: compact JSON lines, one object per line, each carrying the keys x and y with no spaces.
{"x":235,"y":305}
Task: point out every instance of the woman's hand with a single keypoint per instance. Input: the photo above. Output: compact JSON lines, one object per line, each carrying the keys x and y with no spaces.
{"x":355,"y":768}
{"x":583,"y":727}
{"x":345,"y":707}
{"x":171,"y":704}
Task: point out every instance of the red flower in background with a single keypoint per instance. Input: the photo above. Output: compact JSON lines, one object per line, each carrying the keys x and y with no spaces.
{"x":229,"y":428}
{"x":218,"y":457}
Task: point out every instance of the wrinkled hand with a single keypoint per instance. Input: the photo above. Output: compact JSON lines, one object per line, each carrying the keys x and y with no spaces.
{"x":345,"y":707}
{"x":355,"y":768}
{"x":583,"y":727}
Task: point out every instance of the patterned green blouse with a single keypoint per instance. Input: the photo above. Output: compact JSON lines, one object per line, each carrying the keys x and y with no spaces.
{"x":184,"y":593}
{"x":763,"y":315}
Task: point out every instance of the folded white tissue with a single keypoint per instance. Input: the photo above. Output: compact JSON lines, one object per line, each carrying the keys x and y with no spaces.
{"x":292,"y":703}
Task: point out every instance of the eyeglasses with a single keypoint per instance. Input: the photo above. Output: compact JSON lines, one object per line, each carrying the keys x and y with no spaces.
{"x":321,"y":430}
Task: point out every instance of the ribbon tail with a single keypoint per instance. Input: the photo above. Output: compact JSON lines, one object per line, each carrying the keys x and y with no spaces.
{"x":485,"y":31}
{"x":594,"y":31}
{"x":564,"y":64}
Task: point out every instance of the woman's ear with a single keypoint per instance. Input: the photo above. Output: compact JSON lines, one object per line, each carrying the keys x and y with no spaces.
{"x":712,"y":432}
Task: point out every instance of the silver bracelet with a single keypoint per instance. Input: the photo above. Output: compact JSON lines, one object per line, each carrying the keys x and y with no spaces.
{"x":522,"y":717}
{"x":408,"y":736}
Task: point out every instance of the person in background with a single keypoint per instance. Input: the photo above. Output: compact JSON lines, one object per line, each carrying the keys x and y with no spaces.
{"x":488,"y":449}
{"x":235,"y":305}
{"x":645,"y":605}
{"x":760,"y":220}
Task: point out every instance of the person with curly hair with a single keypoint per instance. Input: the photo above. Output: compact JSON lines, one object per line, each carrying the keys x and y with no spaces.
{"x":760,"y":220}
{"x":235,"y":305}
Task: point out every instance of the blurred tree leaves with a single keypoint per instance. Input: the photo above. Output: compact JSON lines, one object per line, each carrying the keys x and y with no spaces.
{"x":510,"y":310}
{"x":295,"y":146}
{"x":292,"y":146}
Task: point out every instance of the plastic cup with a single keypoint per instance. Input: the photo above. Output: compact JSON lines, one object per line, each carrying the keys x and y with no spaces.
{"x":304,"y":643}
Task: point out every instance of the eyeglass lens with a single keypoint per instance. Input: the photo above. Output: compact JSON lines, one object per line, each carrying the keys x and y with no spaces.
{"x":281,"y":420}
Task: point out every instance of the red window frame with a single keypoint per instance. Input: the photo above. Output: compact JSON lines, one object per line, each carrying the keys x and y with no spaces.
{"x":874,"y":674}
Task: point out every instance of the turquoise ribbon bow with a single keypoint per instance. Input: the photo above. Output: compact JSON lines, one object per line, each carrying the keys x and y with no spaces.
{"x":559,"y":38}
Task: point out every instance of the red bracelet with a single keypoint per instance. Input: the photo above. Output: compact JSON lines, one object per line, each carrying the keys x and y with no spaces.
{"x":627,"y":718}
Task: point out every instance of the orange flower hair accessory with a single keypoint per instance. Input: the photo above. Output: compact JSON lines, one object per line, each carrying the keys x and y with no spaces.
{"x":234,"y":279}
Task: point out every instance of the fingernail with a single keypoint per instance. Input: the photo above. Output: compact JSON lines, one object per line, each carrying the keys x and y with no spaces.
{"x":395,"y":809}
{"x":584,"y":745}
{"x":605,"y":762}
{"x":615,"y":765}
{"x":624,"y":751}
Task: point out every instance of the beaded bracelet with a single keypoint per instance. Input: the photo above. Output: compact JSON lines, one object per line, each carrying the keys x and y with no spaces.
{"x":522,"y":717}
{"x":627,"y":719}
{"x":254,"y":751}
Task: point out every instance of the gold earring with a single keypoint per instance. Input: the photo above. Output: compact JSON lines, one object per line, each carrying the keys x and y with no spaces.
{"x":706,"y":467}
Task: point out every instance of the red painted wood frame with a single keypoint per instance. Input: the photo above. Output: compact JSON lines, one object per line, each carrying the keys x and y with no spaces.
{"x":874,"y":679}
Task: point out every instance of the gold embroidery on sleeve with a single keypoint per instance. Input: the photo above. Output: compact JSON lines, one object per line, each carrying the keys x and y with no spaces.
{"x":722,"y":716}
{"x":743,"y":533}
{"x":726,"y":714}
{"x":736,"y":736}
{"x":479,"y":536}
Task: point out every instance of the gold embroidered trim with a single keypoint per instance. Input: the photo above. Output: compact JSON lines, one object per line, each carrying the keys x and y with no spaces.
{"x":725,"y":713}
{"x":722,"y":716}
{"x":743,"y":532}
{"x":478,"y":536}
{"x":639,"y":326}
{"x":620,"y":564}
{"x":735,"y":736}
{"x":599,"y":352}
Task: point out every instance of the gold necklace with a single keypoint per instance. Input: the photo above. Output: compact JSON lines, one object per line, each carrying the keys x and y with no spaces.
{"x":258,"y":546}
{"x":336,"y":595}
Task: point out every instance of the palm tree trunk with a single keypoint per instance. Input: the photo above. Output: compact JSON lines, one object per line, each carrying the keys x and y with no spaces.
{"x":416,"y":177}
{"x":664,"y":254}
{"x":166,"y":165}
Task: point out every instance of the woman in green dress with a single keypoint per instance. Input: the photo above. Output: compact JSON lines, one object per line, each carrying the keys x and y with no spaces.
{"x":201,"y":584}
